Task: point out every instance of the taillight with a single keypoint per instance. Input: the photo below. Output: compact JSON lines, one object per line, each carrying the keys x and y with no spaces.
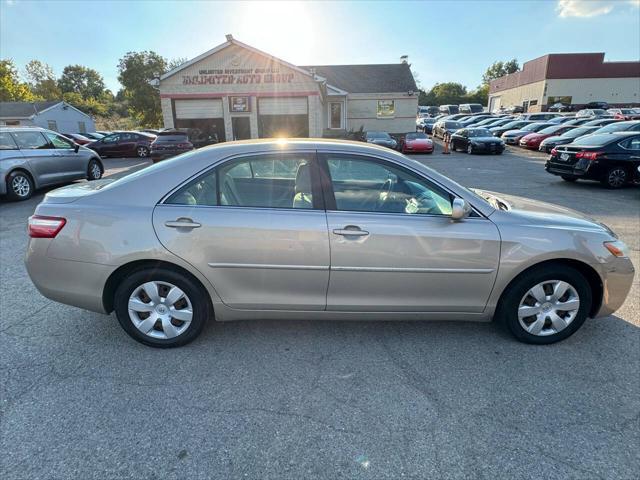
{"x":40,"y":226}
{"x":554,"y":151}
{"x":184,"y":145}
{"x":589,"y":155}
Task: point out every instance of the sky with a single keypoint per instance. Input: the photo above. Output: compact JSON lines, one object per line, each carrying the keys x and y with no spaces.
{"x":454,"y":40}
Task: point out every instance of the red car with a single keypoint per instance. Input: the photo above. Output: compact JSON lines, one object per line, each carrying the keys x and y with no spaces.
{"x":533,"y":140}
{"x":625,"y":113}
{"x":416,"y":143}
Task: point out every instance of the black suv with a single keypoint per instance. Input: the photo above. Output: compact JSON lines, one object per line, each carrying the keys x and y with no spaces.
{"x":611,"y":158}
{"x":169,"y":143}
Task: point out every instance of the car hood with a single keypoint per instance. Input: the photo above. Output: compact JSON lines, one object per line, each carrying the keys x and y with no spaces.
{"x":514,"y":133}
{"x":543,"y":214}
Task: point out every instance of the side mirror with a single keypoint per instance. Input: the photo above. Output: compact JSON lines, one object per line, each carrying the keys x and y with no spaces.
{"x":76,"y":147}
{"x":460,"y":209}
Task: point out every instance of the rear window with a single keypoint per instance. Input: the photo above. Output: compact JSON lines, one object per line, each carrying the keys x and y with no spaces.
{"x":595,"y":140}
{"x":7,"y":142}
{"x":176,"y":137}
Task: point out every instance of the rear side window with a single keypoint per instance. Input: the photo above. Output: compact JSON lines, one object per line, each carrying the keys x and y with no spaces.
{"x":631,"y":144}
{"x":201,"y":191}
{"x":7,"y":142}
{"x":31,"y":140}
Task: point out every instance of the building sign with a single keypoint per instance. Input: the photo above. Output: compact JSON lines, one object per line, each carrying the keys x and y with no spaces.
{"x":239,"y":104}
{"x":237,"y":76}
{"x":386,"y":108}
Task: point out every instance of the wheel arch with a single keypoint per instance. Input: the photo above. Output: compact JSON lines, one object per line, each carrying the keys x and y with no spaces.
{"x":123,"y":271}
{"x":588,"y":272}
{"x":27,"y":172}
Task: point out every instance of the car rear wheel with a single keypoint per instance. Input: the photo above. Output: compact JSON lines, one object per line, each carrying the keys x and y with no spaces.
{"x":161,"y":308}
{"x":142,"y":152}
{"x":615,"y":177}
{"x":19,"y":186}
{"x":94,"y":172}
{"x":546,"y":305}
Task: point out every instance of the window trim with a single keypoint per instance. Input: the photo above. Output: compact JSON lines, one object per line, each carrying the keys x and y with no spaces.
{"x":318,"y":199}
{"x":330,"y":200}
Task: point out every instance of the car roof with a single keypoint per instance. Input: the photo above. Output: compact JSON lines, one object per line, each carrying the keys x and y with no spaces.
{"x":8,"y":128}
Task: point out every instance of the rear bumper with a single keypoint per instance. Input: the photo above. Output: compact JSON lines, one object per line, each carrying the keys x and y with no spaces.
{"x":80,"y":284}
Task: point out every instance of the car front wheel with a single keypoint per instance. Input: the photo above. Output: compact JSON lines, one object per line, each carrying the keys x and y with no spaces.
{"x":94,"y":171}
{"x":19,"y":186}
{"x":546,"y":305}
{"x":161,"y":308}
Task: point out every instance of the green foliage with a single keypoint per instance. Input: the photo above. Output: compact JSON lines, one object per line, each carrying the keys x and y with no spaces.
{"x":443,"y":94}
{"x":42,"y":81}
{"x":137,"y":69}
{"x":82,"y":80}
{"x":499,"y":69}
{"x":11,"y":88}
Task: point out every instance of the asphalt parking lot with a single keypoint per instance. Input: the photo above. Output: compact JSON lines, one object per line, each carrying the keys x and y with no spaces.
{"x":283,"y":399}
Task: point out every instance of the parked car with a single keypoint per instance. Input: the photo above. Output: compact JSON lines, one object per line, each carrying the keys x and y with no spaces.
{"x":474,"y":119}
{"x":598,"y":105}
{"x":561,"y":119}
{"x":532,"y":140}
{"x":123,"y":144}
{"x":629,"y":126}
{"x":625,"y":113}
{"x":514,"y":109}
{"x":494,"y":122}
{"x":579,"y":121}
{"x":444,"y":126}
{"x":328,"y":230}
{"x":567,"y":137}
{"x":539,"y":117}
{"x":476,"y":140}
{"x":92,"y":135}
{"x":600,"y":122}
{"x":512,"y":137}
{"x":381,"y":138}
{"x":592,"y":112}
{"x":512,"y":125}
{"x":611,"y":158}
{"x":485,"y":122}
{"x":449,"y":109}
{"x":425,"y":125}
{"x":430,"y":110}
{"x":416,"y":143}
{"x":77,"y":138}
{"x":560,"y":107}
{"x":170,"y":143}
{"x":471,"y":108}
{"x":32,"y":158}
{"x":455,"y":117}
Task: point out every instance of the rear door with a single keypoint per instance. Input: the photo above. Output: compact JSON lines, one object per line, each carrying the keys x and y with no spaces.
{"x":40,"y":155}
{"x":394,"y":246}
{"x":255,"y":226}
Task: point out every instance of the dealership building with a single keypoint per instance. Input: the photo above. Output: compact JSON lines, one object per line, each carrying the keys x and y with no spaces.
{"x":236,"y":91}
{"x":570,"y":78}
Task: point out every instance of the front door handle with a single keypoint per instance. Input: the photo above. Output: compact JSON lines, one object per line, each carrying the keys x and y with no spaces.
{"x":182,"y":223}
{"x":351,"y":231}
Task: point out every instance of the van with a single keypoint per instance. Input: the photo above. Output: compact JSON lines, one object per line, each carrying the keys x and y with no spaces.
{"x":471,"y":108}
{"x":449,"y":109}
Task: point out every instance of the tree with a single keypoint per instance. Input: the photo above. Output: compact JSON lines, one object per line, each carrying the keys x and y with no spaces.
{"x":499,"y":69}
{"x":83,"y":80}
{"x":42,"y":80}
{"x":137,"y":69}
{"x":176,"y":62}
{"x":445,"y":93}
{"x":11,"y":88}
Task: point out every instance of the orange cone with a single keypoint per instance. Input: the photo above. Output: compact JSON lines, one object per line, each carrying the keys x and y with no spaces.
{"x":446,"y":145}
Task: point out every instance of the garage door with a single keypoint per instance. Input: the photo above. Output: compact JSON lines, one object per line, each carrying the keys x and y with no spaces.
{"x":210,"y":108}
{"x":283,"y":106}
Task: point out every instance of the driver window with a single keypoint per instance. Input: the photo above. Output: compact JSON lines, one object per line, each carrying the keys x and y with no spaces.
{"x":366,"y":185}
{"x":111,"y":139}
{"x":58,"y":141}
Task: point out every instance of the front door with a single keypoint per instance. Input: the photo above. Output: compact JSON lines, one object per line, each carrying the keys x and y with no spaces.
{"x":71,"y":164}
{"x":394,"y":246}
{"x":256,"y":228}
{"x":241,"y":128}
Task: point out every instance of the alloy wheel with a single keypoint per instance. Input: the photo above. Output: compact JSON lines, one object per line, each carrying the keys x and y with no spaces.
{"x":548,"y":308}
{"x":21,"y":186}
{"x":142,"y":152}
{"x":96,"y":171}
{"x":160,"y":310}
{"x":617,"y":177}
{"x":469,"y":149}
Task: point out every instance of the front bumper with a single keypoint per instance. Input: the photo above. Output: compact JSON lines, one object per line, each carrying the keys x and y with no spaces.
{"x":617,"y":279}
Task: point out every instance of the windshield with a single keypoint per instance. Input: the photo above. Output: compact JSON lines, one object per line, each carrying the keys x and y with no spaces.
{"x":378,"y":135}
{"x":551,"y":130}
{"x":595,"y":140}
{"x":480,"y":132}
{"x":452,"y":125}
{"x":515,"y":124}
{"x":534,"y":127}
{"x":613,"y":127}
{"x":415,"y":136}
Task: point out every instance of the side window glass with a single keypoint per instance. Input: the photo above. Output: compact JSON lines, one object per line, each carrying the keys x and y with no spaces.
{"x":31,"y":140}
{"x":631,"y":144}
{"x":58,"y":141}
{"x":7,"y":142}
{"x":369,"y":186}
{"x":111,"y":138}
{"x":268,"y":181}
{"x":201,"y":191}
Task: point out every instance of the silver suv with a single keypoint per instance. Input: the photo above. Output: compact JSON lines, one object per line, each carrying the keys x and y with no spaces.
{"x":31,"y":158}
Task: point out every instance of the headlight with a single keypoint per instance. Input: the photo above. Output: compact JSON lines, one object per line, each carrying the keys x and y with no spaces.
{"x":617,"y":248}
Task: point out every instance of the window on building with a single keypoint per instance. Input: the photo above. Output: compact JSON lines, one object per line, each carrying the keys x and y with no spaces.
{"x":82,"y":128}
{"x":533,"y":102}
{"x":52,"y":125}
{"x":386,"y":108}
{"x":335,"y":115}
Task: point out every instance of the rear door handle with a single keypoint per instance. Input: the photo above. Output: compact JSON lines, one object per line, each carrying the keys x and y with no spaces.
{"x":182,"y":223}
{"x":350,"y":231}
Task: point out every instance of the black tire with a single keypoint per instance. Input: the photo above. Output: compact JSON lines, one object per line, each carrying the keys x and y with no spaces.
{"x":615,"y":177}
{"x":567,"y":178}
{"x":142,"y":152}
{"x":507,"y":312}
{"x":94,"y":170}
{"x":200,"y":303}
{"x":19,"y":185}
